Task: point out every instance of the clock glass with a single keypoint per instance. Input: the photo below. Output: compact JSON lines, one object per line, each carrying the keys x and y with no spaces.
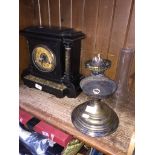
{"x":43,"y":58}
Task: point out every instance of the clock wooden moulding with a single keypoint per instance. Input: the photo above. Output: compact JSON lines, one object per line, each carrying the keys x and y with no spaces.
{"x":64,"y":45}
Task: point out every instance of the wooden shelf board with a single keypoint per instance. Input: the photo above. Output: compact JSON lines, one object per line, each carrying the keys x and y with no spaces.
{"x":57,"y":112}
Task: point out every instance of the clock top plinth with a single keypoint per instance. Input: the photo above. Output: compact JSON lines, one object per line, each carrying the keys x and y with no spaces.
{"x":57,"y":32}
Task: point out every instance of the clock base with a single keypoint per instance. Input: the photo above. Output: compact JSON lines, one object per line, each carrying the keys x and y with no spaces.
{"x":60,"y":90}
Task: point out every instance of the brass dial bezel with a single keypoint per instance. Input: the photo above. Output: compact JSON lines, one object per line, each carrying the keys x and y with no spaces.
{"x":41,"y":52}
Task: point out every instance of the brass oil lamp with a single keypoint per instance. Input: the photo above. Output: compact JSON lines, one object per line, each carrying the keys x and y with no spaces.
{"x":94,"y":117}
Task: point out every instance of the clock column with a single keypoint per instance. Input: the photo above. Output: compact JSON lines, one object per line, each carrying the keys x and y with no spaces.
{"x":67,"y":60}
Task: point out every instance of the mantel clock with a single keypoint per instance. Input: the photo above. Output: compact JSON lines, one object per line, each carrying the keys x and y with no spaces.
{"x":54,"y":60}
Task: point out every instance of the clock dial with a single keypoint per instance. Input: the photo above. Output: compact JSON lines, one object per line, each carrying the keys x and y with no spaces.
{"x":44,"y":59}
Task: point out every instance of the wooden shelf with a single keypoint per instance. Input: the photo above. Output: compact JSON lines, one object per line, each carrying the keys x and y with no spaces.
{"x":57,"y":112}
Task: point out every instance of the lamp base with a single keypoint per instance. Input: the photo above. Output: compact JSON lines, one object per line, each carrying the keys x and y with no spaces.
{"x":95,"y":118}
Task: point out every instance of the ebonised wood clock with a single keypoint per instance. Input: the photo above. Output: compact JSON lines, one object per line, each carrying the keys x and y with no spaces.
{"x":54,"y":60}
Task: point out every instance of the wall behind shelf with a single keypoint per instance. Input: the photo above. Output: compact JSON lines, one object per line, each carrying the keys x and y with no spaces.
{"x":108,"y":25}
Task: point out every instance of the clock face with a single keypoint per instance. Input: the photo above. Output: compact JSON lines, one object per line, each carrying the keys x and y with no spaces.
{"x":43,"y":58}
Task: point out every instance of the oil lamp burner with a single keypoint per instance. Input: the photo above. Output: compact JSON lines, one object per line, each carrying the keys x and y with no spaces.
{"x":94,"y":117}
